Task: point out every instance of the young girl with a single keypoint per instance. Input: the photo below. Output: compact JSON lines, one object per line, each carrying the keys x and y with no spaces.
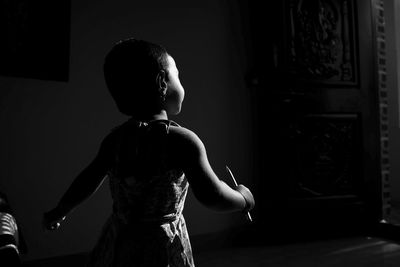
{"x":150,"y":162}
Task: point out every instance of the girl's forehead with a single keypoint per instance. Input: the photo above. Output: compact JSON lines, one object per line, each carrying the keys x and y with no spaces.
{"x":171,"y":62}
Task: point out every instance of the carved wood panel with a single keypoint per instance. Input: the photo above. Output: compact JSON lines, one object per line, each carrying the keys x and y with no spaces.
{"x":327,"y":156}
{"x":321,"y":42}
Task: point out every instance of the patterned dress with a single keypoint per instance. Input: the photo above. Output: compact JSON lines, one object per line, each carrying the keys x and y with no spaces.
{"x":146,"y":228}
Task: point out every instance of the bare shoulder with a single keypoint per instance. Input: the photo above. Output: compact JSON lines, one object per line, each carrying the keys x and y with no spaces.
{"x":186,"y":140}
{"x":108,"y":144}
{"x":183,"y":133}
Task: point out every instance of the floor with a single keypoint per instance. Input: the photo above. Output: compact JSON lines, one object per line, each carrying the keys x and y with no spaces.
{"x":360,"y":251}
{"x":341,"y":252}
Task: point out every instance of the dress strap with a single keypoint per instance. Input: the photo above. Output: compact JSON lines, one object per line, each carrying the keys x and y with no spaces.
{"x":167,"y":123}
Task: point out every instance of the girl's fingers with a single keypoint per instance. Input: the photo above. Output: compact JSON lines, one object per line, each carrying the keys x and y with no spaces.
{"x":55,"y":226}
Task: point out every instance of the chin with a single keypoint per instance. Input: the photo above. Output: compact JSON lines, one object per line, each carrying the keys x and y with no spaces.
{"x":176,"y":111}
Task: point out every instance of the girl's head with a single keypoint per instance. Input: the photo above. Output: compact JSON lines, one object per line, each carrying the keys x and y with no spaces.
{"x":143,"y":79}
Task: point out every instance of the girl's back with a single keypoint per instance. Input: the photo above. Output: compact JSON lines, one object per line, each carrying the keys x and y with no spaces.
{"x":146,"y":183}
{"x":149,"y":192}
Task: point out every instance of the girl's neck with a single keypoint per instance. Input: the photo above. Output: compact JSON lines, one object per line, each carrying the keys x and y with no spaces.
{"x":162,"y":115}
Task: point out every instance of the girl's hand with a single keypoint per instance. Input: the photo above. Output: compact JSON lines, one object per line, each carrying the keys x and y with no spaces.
{"x":248,"y":197}
{"x":52,"y":219}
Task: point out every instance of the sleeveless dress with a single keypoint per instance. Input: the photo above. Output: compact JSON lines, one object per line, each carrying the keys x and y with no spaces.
{"x":146,"y":228}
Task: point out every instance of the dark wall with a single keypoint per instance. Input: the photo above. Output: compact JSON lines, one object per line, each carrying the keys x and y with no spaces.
{"x":51,"y":130}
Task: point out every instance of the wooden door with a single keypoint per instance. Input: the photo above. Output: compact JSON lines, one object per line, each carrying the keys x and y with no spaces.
{"x":316,"y":106}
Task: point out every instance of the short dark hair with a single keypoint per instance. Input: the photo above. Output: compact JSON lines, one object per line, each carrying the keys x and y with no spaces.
{"x":130,"y":71}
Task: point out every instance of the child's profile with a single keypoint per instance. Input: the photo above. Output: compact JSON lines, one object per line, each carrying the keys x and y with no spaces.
{"x":149,"y":161}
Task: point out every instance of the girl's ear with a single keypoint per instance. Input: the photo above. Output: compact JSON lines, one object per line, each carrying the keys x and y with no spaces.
{"x":161,"y":81}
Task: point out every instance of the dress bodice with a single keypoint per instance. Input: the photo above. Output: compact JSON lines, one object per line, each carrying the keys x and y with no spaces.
{"x":143,"y":186}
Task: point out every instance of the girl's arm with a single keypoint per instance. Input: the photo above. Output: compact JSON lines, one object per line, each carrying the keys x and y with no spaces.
{"x":84,"y":185}
{"x":206,"y":186}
